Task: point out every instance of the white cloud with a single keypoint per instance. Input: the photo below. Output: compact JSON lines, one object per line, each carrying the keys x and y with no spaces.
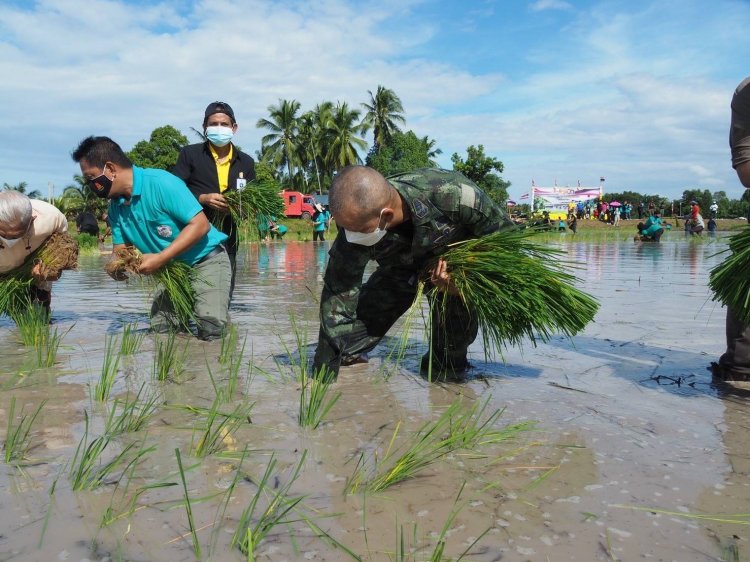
{"x":640,"y":96}
{"x":541,"y":5}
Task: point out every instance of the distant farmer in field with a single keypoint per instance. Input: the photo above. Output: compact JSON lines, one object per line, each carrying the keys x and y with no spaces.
{"x":652,"y":229}
{"x":212,"y":167}
{"x":155,"y":212}
{"x":320,"y":221}
{"x":86,"y":223}
{"x":401,"y":222}
{"x":734,"y":364}
{"x":25,"y":225}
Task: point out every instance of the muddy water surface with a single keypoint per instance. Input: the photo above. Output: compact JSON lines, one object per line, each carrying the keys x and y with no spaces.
{"x":630,"y":435}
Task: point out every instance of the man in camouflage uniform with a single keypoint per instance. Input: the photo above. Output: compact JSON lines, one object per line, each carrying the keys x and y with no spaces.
{"x":734,"y":364}
{"x":404,"y":223}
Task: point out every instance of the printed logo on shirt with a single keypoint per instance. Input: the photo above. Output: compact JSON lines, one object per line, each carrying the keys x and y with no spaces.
{"x":443,"y":230}
{"x":420,"y":209}
{"x":164,"y":231}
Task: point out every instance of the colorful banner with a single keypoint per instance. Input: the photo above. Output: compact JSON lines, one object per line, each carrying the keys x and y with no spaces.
{"x":555,"y":200}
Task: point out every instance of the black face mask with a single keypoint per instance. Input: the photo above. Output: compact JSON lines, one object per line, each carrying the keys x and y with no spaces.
{"x":100,"y":185}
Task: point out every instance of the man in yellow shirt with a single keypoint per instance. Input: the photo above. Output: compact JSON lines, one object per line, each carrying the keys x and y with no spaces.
{"x":212,"y":167}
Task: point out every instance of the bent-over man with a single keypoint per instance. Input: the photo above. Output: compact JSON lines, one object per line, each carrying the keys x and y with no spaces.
{"x":25,"y":225}
{"x":155,"y":212}
{"x":403,"y":223}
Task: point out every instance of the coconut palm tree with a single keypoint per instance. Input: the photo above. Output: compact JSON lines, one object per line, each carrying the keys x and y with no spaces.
{"x":382,"y":114}
{"x":432,"y":151}
{"x":21,"y":188}
{"x":77,"y":196}
{"x":342,"y":150}
{"x":282,"y":138}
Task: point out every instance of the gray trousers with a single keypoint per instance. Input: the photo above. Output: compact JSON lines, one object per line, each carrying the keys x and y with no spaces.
{"x":736,"y":359}
{"x":211,"y":284}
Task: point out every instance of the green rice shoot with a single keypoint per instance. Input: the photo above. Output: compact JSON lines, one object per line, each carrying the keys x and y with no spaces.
{"x":169,"y":361}
{"x":17,"y":445}
{"x":131,"y":414}
{"x":132,"y":339}
{"x":87,"y":470}
{"x":729,"y":280}
{"x":268,"y":508}
{"x":174,"y":281}
{"x":218,"y":429}
{"x":259,"y":197}
{"x":517,"y":288}
{"x":108,"y":373}
{"x":453,"y":430}
{"x":58,"y":253}
{"x":316,"y":399}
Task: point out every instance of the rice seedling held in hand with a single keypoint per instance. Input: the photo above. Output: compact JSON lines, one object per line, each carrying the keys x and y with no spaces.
{"x":517,"y":289}
{"x":259,"y":197}
{"x":175,"y":281}
{"x":15,"y":296}
{"x":110,"y":365}
{"x":315,"y":400}
{"x":17,"y":444}
{"x":729,"y":280}
{"x":132,"y":339}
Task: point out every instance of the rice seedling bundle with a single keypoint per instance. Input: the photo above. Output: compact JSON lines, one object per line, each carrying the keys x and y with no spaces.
{"x":257,"y":198}
{"x":58,"y":253}
{"x":175,"y":279}
{"x":730,"y":281}
{"x":517,"y":288}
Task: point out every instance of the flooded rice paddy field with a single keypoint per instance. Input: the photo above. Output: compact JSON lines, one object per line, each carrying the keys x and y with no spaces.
{"x":630,"y":437}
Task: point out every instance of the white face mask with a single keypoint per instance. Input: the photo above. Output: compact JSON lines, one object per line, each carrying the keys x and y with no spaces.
{"x":9,"y":243}
{"x":367,"y":238}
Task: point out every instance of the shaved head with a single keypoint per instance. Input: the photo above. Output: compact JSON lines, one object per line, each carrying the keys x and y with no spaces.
{"x":358,"y":193}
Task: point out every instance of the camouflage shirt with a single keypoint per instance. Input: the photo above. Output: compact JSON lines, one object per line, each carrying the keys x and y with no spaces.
{"x":444,"y":207}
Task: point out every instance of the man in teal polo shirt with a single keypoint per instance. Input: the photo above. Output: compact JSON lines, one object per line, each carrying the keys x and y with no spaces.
{"x":155,"y":212}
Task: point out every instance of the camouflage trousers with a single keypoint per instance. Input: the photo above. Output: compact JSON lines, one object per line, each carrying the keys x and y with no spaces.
{"x":383,"y":299}
{"x":735,"y":362}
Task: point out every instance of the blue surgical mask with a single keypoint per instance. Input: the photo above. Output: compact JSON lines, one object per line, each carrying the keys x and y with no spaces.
{"x":219,"y":136}
{"x":367,"y":238}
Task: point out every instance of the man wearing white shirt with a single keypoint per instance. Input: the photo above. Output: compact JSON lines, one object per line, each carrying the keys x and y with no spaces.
{"x":26,"y":224}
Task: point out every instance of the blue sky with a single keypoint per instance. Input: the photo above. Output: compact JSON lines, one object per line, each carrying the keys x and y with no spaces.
{"x":635,"y":91}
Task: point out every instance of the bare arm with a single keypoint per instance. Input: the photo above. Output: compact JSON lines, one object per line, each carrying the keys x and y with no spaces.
{"x":196,"y":229}
{"x":743,"y":172}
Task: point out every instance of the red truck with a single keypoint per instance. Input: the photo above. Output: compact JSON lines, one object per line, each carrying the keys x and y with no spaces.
{"x":298,"y":205}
